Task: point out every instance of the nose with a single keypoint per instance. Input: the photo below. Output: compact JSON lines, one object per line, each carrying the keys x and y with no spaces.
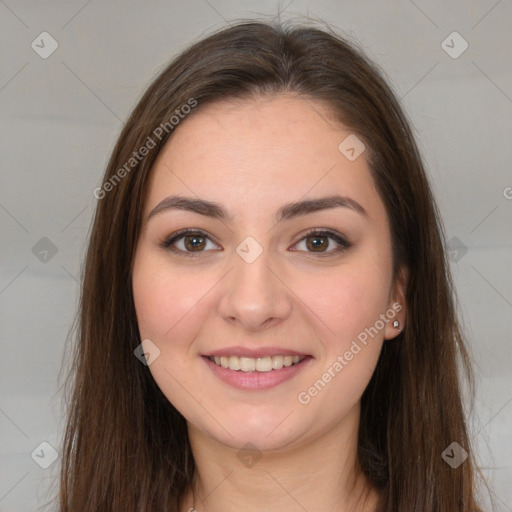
{"x":255,"y":295}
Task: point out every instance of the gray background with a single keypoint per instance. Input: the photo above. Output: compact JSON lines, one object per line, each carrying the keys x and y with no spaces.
{"x":60,"y":117}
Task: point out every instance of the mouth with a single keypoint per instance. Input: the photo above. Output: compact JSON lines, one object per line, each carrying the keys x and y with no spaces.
{"x":256,"y":364}
{"x":256,"y":373}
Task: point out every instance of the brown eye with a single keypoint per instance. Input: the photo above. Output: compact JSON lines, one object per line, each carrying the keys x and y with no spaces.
{"x":189,"y":242}
{"x":194,"y":242}
{"x":323,"y":242}
{"x":317,"y":243}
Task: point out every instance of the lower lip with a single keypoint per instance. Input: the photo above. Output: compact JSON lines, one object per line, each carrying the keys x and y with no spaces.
{"x":256,"y":380}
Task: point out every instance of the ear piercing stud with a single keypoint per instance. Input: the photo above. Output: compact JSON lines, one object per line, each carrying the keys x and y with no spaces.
{"x":396,"y":325}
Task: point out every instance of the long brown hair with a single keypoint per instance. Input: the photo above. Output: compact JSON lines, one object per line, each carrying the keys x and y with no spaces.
{"x":125,"y":446}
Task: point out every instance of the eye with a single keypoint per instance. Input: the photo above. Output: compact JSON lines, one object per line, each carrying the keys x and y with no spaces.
{"x":319,"y":241}
{"x":188,"y":242}
{"x":193,"y":242}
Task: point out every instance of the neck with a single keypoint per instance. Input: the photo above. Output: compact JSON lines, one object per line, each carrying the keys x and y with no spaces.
{"x":322,"y":474}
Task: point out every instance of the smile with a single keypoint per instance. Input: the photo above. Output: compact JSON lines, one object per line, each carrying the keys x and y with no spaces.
{"x":256,"y":373}
{"x":258,"y":364}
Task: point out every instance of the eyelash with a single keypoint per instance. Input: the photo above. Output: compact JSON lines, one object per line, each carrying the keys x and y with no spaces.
{"x":343,"y":244}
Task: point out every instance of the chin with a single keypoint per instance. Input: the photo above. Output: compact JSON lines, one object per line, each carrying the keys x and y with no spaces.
{"x":264,"y":431}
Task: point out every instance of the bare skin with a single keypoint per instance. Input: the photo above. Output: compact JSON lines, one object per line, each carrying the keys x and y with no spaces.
{"x":301,"y":294}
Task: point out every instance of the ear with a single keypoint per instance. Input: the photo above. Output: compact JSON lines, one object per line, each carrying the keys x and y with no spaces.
{"x":397,"y":307}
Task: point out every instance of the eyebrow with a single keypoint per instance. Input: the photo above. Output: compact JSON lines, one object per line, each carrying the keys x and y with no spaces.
{"x":286,"y":212}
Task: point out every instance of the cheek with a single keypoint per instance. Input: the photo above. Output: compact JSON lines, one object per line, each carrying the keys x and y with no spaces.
{"x":347,"y":306}
{"x":163,"y":299}
{"x":347,"y":300}
{"x":166,"y":305}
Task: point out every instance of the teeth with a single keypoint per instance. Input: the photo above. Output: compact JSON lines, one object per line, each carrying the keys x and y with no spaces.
{"x":247,"y":364}
{"x":234,"y":363}
{"x":264,"y":364}
{"x":260,"y":364}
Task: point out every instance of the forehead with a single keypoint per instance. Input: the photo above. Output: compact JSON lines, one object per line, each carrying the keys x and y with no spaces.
{"x":256,"y":151}
{"x":265,"y":128}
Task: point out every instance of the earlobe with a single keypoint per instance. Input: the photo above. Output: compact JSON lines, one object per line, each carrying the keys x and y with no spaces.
{"x":396,"y":323}
{"x":396,"y":312}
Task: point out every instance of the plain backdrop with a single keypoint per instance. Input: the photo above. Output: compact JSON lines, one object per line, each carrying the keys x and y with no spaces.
{"x":61,"y":113}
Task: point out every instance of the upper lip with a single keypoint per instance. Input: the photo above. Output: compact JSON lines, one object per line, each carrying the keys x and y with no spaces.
{"x":254,"y":352}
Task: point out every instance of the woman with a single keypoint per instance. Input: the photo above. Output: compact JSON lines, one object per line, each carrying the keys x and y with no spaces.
{"x":267,"y":318}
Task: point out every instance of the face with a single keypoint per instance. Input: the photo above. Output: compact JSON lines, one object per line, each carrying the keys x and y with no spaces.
{"x":257,"y":285}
